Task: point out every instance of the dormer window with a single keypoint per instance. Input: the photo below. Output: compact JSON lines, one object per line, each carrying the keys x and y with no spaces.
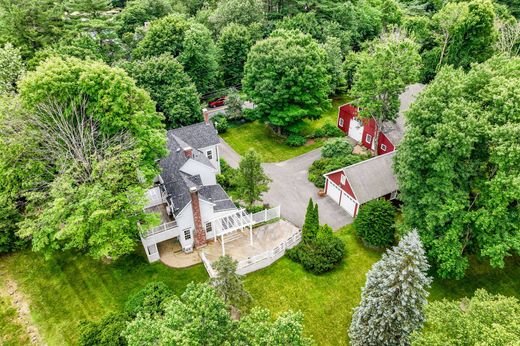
{"x":209,"y":154}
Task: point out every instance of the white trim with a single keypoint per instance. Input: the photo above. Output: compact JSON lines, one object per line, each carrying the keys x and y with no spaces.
{"x":383,"y":147}
{"x":341,"y":122}
{"x":368,"y":135}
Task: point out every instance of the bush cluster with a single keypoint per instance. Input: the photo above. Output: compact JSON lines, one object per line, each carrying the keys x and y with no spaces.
{"x":320,"y":250}
{"x":226,"y":176}
{"x":375,"y":223}
{"x":329,"y":164}
{"x":295,"y":140}
{"x":328,"y":130}
{"x":220,"y":122}
{"x":336,"y":147}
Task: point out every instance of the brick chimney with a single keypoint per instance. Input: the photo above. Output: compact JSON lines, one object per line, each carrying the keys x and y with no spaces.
{"x":205,"y":113}
{"x":188,"y":151}
{"x":199,"y":234}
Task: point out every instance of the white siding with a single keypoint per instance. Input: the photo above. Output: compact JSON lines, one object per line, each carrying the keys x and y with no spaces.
{"x":207,"y":174}
{"x":213,"y":152}
{"x":355,"y":130}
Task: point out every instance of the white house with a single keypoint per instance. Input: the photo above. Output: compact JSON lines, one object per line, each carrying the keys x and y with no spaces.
{"x":193,"y":207}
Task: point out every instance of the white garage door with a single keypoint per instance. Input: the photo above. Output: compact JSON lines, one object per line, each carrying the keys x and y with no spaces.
{"x":355,"y":130}
{"x":333,"y":191}
{"x":348,"y":203}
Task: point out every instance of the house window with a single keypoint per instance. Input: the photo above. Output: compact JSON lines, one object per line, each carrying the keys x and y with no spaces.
{"x":209,"y":227}
{"x":368,"y":138}
{"x":187,"y":234}
{"x":383,"y":147}
{"x":209,"y":154}
{"x":341,"y":122}
{"x":343,"y":179}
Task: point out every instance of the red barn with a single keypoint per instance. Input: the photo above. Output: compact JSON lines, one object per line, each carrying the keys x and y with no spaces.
{"x":363,"y":130}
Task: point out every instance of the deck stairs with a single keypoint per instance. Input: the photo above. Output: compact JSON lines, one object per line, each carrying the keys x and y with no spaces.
{"x":232,"y":236}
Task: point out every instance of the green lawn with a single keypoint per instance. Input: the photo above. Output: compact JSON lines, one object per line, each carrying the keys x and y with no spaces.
{"x":269,"y":145}
{"x":70,"y":288}
{"x":12,"y":333}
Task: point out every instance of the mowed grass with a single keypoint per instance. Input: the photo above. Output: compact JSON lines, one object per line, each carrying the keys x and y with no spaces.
{"x":12,"y":332}
{"x":272,"y":148}
{"x":69,"y":288}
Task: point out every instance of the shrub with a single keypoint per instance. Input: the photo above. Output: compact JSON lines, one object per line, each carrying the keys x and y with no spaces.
{"x":375,"y":223}
{"x":319,"y":133}
{"x":105,"y":332}
{"x":336,"y":147}
{"x":326,"y":165}
{"x":295,"y":140}
{"x":331,"y":130}
{"x":220,"y":122}
{"x":226,"y":176}
{"x":149,"y":300}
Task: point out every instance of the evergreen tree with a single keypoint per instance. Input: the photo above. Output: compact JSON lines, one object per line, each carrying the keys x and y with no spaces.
{"x":234,"y":105}
{"x":311,"y":223}
{"x":394,"y":296}
{"x":228,"y":283}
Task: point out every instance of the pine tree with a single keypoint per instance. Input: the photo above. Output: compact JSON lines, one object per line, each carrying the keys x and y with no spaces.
{"x":228,"y":283}
{"x":311,"y":224}
{"x":393,"y":298}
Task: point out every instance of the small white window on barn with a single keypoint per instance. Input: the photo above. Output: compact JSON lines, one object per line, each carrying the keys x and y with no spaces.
{"x":187,"y":234}
{"x":341,"y":122}
{"x":368,"y":138}
{"x":343,"y":179}
{"x":209,"y":154}
{"x":383,"y":147}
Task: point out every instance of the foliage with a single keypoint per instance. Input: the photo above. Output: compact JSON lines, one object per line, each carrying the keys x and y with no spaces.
{"x":164,"y":78}
{"x":285,"y":76}
{"x":332,"y":48}
{"x":328,"y":130}
{"x":484,"y":319}
{"x":137,"y":12}
{"x":228,"y":283}
{"x":375,"y":223}
{"x":199,"y":57}
{"x":294,"y":140}
{"x":394,"y":296}
{"x":106,"y":332}
{"x":458,"y":165}
{"x":149,"y":300}
{"x":11,"y":68}
{"x":326,"y":165}
{"x":336,"y":147}
{"x":220,"y":122}
{"x":86,"y":193}
{"x":234,"y":105}
{"x":30,"y":24}
{"x":227,"y":175}
{"x":320,"y":250}
{"x":466,"y":32}
{"x":251,"y":180}
{"x":164,"y":35}
{"x":384,"y":70}
{"x":233,"y":45}
{"x":243,"y":12}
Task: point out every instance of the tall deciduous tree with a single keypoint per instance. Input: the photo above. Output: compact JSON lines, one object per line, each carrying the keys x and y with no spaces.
{"x":251,"y":180}
{"x":233,"y":44}
{"x":164,"y":78}
{"x":286,"y":77}
{"x":96,"y":137}
{"x":383,"y":72}
{"x":228,"y":283}
{"x":199,"y":57}
{"x":458,"y":165}
{"x":137,"y":12}
{"x":394,"y":296}
{"x":244,"y":12}
{"x":484,"y":319}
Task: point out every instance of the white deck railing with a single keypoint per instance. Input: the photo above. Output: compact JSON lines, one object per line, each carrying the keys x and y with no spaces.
{"x":161,"y":228}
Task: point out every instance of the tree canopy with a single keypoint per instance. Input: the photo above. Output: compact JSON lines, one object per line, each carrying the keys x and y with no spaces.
{"x":458,"y":165}
{"x":286,"y":77}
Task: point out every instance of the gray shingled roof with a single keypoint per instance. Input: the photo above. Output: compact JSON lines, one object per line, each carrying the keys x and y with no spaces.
{"x":200,"y":135}
{"x":394,"y":131}
{"x":372,"y":178}
{"x":178,"y":183}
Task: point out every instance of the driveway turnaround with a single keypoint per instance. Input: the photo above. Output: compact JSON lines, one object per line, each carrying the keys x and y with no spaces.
{"x":291,"y":190}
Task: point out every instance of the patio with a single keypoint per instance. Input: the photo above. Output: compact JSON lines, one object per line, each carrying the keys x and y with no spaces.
{"x":238,"y":245}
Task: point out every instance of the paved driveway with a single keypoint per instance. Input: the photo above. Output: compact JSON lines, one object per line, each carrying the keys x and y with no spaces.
{"x":291,"y":189}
